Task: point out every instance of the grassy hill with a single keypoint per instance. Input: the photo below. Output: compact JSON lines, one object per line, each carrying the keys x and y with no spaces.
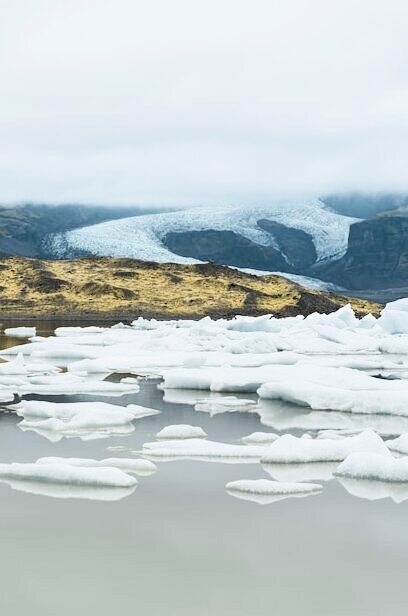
{"x":108,"y":288}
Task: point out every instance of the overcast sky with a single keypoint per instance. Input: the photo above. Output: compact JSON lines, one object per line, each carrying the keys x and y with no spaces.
{"x":210,"y":101}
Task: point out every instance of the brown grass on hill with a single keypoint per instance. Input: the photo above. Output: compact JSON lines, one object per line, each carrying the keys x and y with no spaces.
{"x":126,"y":288}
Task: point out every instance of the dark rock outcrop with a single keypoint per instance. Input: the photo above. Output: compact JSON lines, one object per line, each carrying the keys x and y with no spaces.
{"x":376,"y":257}
{"x":225,"y":248}
{"x":294,"y":250}
{"x":296,"y":245}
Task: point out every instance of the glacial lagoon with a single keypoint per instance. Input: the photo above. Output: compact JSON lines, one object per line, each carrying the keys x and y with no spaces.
{"x":180,"y":543}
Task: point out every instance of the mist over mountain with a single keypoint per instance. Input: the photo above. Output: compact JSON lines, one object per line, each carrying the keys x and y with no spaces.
{"x":364,"y":205}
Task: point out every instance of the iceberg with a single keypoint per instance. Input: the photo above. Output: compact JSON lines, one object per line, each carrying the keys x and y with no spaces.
{"x":181,"y":431}
{"x":128,"y":465}
{"x":400,"y":444}
{"x":290,"y":449}
{"x":20,"y":332}
{"x":66,"y":474}
{"x":260,"y":438}
{"x":77,"y":418}
{"x":202,"y":449}
{"x":375,"y":466}
{"x":265,"y":491}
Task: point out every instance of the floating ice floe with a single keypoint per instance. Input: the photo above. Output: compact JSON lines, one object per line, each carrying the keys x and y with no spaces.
{"x":374,"y":466}
{"x":69,"y":491}
{"x":128,"y":465}
{"x":289,"y":449}
{"x":20,"y":332}
{"x":201,"y":449}
{"x":340,"y":389}
{"x":71,"y":384}
{"x":399,"y":444}
{"x":294,"y":383}
{"x":260,"y":438}
{"x":68,"y":475}
{"x":6,"y":397}
{"x":227,"y":404}
{"x":283,"y":416}
{"x":77,"y":418}
{"x":181,"y":431}
{"x":117,"y":448}
{"x":78,"y":331}
{"x":19,"y":367}
{"x":265,"y":491}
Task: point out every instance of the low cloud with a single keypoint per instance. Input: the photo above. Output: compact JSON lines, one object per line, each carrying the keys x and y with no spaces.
{"x":225,"y":102}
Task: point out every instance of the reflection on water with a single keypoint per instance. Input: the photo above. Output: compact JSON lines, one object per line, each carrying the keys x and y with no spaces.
{"x":268,"y":499}
{"x":311,"y":471}
{"x":55,"y":490}
{"x":180,"y":545}
{"x":375,"y":490}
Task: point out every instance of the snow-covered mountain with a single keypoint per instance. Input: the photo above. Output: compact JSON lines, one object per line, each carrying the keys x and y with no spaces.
{"x":145,"y":237}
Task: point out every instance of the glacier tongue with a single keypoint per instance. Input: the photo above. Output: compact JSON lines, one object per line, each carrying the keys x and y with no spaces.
{"x":118,"y":238}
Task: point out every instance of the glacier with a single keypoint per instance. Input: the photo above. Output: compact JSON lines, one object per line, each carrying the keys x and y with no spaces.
{"x":141,"y":237}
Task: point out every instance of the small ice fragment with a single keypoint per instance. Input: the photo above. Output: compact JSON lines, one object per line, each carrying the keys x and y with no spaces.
{"x":260,"y":438}
{"x":374,"y":466}
{"x":68,"y":475}
{"x":264,"y":491}
{"x":290,"y":449}
{"x":181,"y":431}
{"x":202,"y":449}
{"x":128,"y":465}
{"x":20,"y":332}
{"x":399,"y":444}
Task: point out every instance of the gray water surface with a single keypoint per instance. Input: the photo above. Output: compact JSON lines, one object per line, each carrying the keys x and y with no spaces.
{"x":180,"y":545}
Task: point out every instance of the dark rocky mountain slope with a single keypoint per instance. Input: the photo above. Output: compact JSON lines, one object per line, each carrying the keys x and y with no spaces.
{"x":376,"y":257}
{"x":23,"y":227}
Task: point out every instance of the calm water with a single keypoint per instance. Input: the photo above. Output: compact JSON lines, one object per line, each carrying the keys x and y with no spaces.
{"x":180,"y":545}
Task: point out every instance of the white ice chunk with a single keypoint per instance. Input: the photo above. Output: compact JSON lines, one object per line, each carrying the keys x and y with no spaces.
{"x":374,"y":466}
{"x":68,"y":475}
{"x":20,"y":332}
{"x":204,"y":450}
{"x":399,"y":444}
{"x":260,"y":438}
{"x":78,"y":331}
{"x":394,"y":321}
{"x":283,"y":417}
{"x":128,"y":465}
{"x":399,"y":304}
{"x":291,"y":449}
{"x":264,"y":491}
{"x":78,"y":417}
{"x":181,"y":431}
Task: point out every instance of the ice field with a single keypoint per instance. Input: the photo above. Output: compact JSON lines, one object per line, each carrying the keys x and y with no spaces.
{"x":257,"y":454}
